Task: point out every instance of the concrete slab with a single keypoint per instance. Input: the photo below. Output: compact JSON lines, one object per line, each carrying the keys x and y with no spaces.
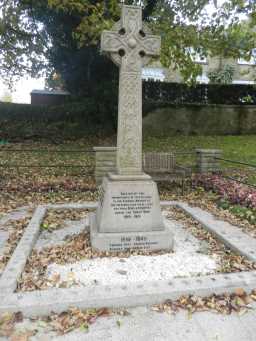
{"x":143,"y":324}
{"x":39,"y":303}
{"x":19,"y":213}
{"x":127,"y":206}
{"x":4,"y":235}
{"x":248,"y":321}
{"x":230,"y":235}
{"x":16,"y":264}
{"x":223,"y":327}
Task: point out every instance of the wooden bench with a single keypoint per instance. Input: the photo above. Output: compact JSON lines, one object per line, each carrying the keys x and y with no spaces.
{"x":162,"y":167}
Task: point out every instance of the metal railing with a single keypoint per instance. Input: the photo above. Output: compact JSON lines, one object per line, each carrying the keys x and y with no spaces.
{"x":190,"y":167}
{"x":10,"y":165}
{"x":42,"y":161}
{"x":237,"y":163}
{"x":89,"y":151}
{"x":87,"y":169}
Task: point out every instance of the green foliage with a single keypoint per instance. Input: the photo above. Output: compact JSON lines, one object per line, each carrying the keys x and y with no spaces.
{"x":234,"y":147}
{"x":247,"y":99}
{"x":64,"y":35}
{"x":21,"y":112}
{"x":97,"y":113}
{"x":44,"y":226}
{"x":222,"y":76}
{"x":163,"y":93}
{"x":224,"y":204}
{"x":71,"y":120}
{"x":22,"y":41}
{"x":238,"y":210}
{"x":54,"y":82}
{"x":6,"y":97}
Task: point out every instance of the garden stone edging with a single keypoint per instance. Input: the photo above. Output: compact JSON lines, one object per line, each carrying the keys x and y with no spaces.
{"x":39,"y":303}
{"x":230,"y":235}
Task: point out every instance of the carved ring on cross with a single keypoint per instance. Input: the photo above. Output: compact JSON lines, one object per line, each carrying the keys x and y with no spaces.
{"x":132,"y":43}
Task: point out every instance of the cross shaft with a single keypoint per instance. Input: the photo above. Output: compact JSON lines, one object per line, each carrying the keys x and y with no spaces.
{"x":130,"y":47}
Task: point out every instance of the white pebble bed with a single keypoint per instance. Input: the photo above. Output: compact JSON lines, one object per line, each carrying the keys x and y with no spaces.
{"x":186,"y":261}
{"x":117,"y":271}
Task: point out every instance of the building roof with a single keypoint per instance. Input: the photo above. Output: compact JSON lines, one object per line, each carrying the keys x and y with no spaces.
{"x":48,"y":92}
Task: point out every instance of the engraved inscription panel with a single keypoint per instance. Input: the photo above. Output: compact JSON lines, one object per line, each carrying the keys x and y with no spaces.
{"x":132,"y":205}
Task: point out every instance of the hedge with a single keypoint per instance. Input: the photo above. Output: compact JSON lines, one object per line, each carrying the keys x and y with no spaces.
{"x":75,"y":119}
{"x":177,"y":93}
{"x":98,"y":114}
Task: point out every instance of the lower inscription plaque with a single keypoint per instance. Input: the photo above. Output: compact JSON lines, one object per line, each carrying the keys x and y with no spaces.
{"x":116,"y":242}
{"x":134,"y":243}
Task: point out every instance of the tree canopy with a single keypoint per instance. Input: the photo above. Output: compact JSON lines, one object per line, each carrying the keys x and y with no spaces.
{"x":62,"y":36}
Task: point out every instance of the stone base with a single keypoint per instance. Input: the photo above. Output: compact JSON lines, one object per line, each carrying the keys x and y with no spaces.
{"x":116,"y":242}
{"x":129,"y":204}
{"x":129,"y":216}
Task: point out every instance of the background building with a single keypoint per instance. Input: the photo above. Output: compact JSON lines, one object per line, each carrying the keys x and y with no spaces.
{"x":48,"y":97}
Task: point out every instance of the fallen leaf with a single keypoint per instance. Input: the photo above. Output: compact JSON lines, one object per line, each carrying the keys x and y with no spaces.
{"x":84,"y":327}
{"x":22,"y":336}
{"x":239,"y":292}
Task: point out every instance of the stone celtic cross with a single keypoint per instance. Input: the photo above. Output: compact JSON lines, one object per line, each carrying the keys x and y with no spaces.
{"x":130,"y":45}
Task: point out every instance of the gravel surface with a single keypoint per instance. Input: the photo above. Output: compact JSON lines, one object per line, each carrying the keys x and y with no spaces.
{"x":186,"y":260}
{"x":114,"y":270}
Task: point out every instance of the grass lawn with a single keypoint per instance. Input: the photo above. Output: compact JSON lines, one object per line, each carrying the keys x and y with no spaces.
{"x":240,"y":148}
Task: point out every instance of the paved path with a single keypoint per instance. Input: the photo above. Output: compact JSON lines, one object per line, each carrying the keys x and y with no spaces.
{"x":143,"y":324}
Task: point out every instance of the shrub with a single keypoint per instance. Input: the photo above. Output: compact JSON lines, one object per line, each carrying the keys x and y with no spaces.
{"x":74,"y":119}
{"x":239,"y":211}
{"x":97,"y":113}
{"x":178,"y":93}
{"x":222,"y":76}
{"x":232,"y":191}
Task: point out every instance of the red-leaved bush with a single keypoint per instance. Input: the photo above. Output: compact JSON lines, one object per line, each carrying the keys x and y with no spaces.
{"x":233,"y":191}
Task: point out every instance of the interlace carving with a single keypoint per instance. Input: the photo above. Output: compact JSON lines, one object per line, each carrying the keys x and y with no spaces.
{"x":130,"y":45}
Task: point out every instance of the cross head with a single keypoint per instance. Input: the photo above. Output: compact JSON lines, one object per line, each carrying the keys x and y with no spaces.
{"x":130,"y":44}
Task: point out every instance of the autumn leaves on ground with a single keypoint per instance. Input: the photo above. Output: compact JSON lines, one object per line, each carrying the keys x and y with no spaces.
{"x":66,"y":170}
{"x":32,"y":185}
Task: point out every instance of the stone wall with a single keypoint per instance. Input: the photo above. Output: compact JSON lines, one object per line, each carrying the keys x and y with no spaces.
{"x":201,"y":120}
{"x":207,"y":160}
{"x":105,"y":161}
